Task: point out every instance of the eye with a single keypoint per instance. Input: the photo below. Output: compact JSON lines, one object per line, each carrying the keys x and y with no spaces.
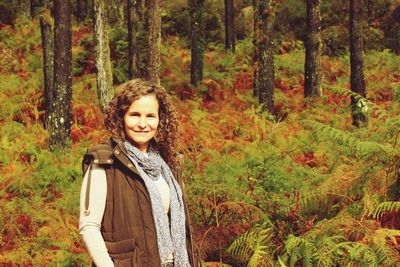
{"x":135,"y":114}
{"x":152,"y":116}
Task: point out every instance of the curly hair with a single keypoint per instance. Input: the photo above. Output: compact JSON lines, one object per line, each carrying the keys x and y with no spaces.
{"x":166,"y":135}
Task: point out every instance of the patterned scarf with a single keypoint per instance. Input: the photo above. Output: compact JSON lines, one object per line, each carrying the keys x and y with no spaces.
{"x":170,"y":239}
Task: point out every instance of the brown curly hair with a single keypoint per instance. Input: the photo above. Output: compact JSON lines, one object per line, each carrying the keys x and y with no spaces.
{"x":166,"y":136}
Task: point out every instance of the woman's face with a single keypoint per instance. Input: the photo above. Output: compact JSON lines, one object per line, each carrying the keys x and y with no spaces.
{"x":141,"y":121}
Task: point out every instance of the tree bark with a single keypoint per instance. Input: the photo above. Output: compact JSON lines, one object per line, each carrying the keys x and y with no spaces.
{"x":312,"y":67}
{"x":357,"y":64}
{"x":25,"y":7}
{"x":264,"y":59}
{"x":81,"y":10}
{"x":104,"y":76}
{"x":229,"y":25}
{"x":197,"y":42}
{"x":370,"y":9}
{"x":137,"y":39}
{"x":153,"y":14}
{"x":36,"y":7}
{"x":115,"y":12}
{"x":60,"y":117}
{"x":47,"y":33}
{"x":132,"y":39}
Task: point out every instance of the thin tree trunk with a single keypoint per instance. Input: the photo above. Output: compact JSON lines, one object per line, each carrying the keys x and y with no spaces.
{"x":132,"y":40}
{"x":104,"y":76}
{"x":48,"y":65}
{"x":255,"y":43}
{"x":370,"y":8}
{"x":81,"y":10}
{"x":60,"y":118}
{"x":35,"y":6}
{"x":357,"y":64}
{"x":25,"y":7}
{"x":115,"y":12}
{"x":142,"y":38}
{"x":197,"y":43}
{"x":229,"y":25}
{"x":264,"y":65}
{"x":312,"y":67}
{"x":153,"y":11}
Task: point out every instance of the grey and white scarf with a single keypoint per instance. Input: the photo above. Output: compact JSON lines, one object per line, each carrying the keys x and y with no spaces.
{"x":170,"y":239}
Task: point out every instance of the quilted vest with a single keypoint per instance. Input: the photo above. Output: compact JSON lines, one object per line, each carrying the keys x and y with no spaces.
{"x":128,"y":225}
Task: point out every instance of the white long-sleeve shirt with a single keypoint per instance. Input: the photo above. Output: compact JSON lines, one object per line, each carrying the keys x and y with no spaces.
{"x":90,"y":224}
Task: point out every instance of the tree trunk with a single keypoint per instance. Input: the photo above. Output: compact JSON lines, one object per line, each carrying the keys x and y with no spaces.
{"x":48,"y":65}
{"x":264,"y":59}
{"x":25,"y":7}
{"x":35,"y":7}
{"x":312,"y":67}
{"x":153,"y":22}
{"x":115,"y":12}
{"x":255,"y":43}
{"x":197,"y":43}
{"x":357,"y":64}
{"x":229,"y":25}
{"x":104,"y":76}
{"x":60,"y":118}
{"x":137,"y":39}
{"x":81,"y":10}
{"x":370,"y":8}
{"x":132,"y":39}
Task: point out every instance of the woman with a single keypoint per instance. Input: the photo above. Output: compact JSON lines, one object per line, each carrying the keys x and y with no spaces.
{"x":132,"y":209}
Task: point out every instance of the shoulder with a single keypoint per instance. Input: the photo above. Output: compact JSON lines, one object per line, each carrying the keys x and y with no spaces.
{"x":101,"y":154}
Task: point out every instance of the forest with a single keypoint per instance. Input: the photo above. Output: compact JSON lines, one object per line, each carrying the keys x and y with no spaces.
{"x":289,"y":123}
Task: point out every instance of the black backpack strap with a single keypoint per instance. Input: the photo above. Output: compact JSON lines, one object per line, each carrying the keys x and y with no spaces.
{"x":102,"y":155}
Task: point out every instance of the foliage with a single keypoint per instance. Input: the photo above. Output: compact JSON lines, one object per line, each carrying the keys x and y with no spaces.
{"x":255,"y":246}
{"x":301,"y":188}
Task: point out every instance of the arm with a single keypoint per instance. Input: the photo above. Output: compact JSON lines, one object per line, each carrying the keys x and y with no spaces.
{"x":89,"y":224}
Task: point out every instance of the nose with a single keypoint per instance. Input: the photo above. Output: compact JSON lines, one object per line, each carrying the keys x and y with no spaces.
{"x":142,"y":122}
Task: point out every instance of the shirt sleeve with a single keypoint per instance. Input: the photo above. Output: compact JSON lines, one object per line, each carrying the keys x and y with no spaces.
{"x":90,"y":223}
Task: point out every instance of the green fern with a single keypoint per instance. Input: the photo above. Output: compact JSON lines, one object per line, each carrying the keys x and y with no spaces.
{"x":384,"y":207}
{"x":361,"y":101}
{"x":365,"y":150}
{"x":386,"y":256}
{"x":255,"y":246}
{"x":299,"y":249}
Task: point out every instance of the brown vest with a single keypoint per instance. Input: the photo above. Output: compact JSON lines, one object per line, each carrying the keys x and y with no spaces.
{"x":128,"y":226}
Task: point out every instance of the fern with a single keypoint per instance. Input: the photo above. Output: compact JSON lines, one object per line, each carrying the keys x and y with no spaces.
{"x":384,"y":207}
{"x":299,"y":249}
{"x":361,"y":101}
{"x":363,"y":149}
{"x":255,"y":246}
{"x":386,"y":256}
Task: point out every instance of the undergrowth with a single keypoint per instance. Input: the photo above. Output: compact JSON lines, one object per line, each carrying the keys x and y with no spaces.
{"x":302,"y":188}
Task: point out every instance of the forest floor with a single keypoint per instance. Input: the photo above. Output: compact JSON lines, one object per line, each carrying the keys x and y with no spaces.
{"x":303,"y":177}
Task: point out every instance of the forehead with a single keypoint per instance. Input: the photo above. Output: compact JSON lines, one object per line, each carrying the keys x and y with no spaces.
{"x":144,"y":103}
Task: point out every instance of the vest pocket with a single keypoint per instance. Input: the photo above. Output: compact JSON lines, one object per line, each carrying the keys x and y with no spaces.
{"x":124,"y":253}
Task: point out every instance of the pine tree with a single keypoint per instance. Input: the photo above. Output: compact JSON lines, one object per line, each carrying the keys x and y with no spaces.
{"x":357,"y":64}
{"x":47,"y":33}
{"x":137,"y":39}
{"x":103,"y":64}
{"x":59,"y":125}
{"x":197,"y":43}
{"x":312,"y":67}
{"x":229,"y":25}
{"x":153,"y":14}
{"x":81,"y":9}
{"x":264,"y":59}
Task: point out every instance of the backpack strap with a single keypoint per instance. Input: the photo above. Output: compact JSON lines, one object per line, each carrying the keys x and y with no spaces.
{"x":101,"y":154}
